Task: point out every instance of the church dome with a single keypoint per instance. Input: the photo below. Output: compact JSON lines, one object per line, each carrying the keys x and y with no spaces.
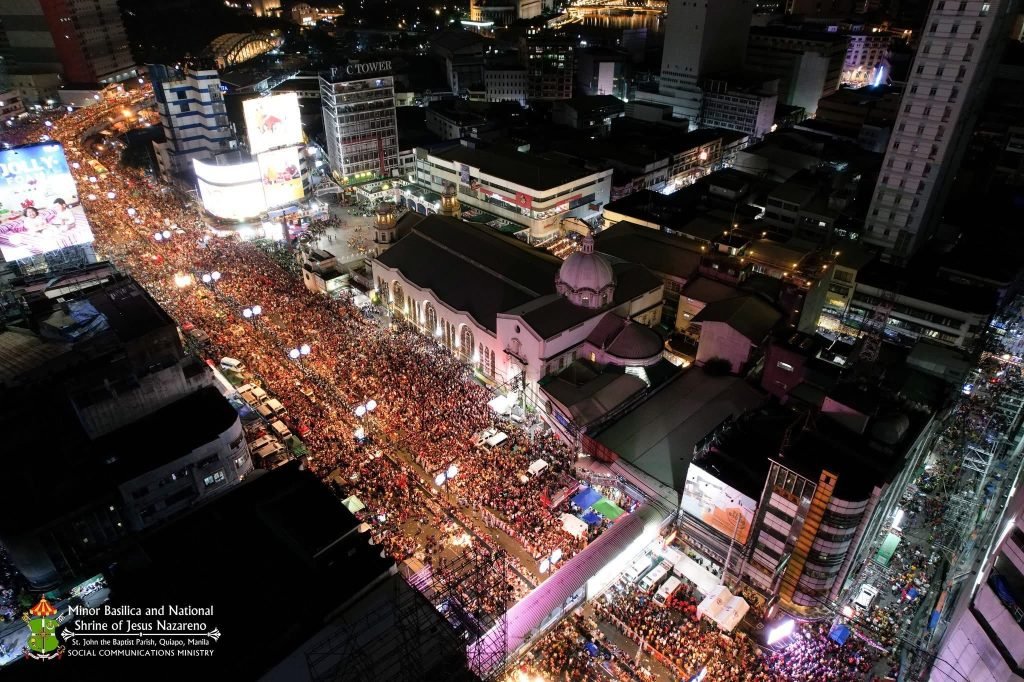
{"x":586,"y":278}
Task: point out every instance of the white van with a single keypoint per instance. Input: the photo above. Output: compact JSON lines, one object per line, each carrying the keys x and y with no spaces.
{"x":666,"y":591}
{"x":259,"y":394}
{"x":232,"y":364}
{"x":653,"y":577}
{"x":637,"y":568}
{"x":265,"y":411}
{"x":275,"y":405}
{"x":268,"y":450}
{"x":279,"y":428}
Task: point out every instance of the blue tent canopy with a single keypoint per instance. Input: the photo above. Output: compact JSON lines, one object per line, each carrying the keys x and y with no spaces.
{"x":586,"y":498}
{"x":839,"y":633}
{"x":591,"y":648}
{"x":592,"y":518}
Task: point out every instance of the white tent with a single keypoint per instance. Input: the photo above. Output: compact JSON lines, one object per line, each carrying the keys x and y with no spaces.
{"x":353,"y":504}
{"x":538,"y":466}
{"x":714,"y":602}
{"x":731,"y":615}
{"x":574,"y":526}
{"x":500,"y":404}
{"x":705,"y":580}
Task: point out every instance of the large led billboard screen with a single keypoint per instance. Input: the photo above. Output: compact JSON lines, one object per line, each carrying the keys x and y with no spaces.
{"x":231,"y":192}
{"x":718,"y":505}
{"x":272,"y":122}
{"x":281,"y":176}
{"x":39,"y":206}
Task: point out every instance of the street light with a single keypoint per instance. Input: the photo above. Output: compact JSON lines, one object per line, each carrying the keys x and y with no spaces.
{"x":182,"y":280}
{"x":208,"y":277}
{"x":253,"y":312}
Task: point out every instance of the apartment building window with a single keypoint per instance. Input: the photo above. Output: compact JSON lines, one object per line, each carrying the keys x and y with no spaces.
{"x":214,"y":478}
{"x":934,"y":27}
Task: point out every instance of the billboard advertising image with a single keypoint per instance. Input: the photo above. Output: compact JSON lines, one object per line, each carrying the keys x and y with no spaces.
{"x":281,"y":176}
{"x":272,"y":122}
{"x":230,"y":192}
{"x":39,"y":206}
{"x":718,"y":505}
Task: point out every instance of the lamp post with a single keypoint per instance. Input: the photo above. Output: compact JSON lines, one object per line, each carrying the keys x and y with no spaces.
{"x":300,"y":352}
{"x":252,"y":313}
{"x":364,"y":410}
{"x":209,"y":278}
{"x":447,"y":476}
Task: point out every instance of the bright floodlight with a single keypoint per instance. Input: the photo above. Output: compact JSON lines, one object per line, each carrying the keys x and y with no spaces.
{"x":556,"y":556}
{"x":157,"y":236}
{"x":215,"y":275}
{"x":360,"y":411}
{"x":167,"y":234}
{"x":453,"y":471}
{"x":257,"y":310}
{"x":360,"y":433}
{"x":437,"y":332}
{"x":131,"y":211}
{"x":544,"y":565}
{"x":76,"y":165}
{"x":305,"y":349}
{"x":371,"y":405}
{"x":781,"y":631}
{"x":207,"y":278}
{"x":439,"y":479}
{"x":48,"y":124}
{"x":182,"y":280}
{"x":247,"y":313}
{"x":294,"y":353}
{"x":111,"y":195}
{"x":848,"y":611}
{"x":92,"y":178}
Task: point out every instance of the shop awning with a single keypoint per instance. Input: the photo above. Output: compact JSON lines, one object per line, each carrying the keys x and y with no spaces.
{"x":608,"y":509}
{"x":888,"y":548}
{"x":586,"y":498}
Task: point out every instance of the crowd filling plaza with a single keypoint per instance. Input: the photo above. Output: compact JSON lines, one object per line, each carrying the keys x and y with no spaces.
{"x":429,"y":411}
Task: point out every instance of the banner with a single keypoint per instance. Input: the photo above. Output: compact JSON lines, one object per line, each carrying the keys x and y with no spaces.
{"x":40,"y":209}
{"x":272,"y":122}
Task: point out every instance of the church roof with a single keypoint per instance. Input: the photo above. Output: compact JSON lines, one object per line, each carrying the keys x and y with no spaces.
{"x":473,"y":269}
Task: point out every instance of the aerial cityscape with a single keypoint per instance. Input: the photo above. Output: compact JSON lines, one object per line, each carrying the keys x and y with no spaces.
{"x":512,"y":340}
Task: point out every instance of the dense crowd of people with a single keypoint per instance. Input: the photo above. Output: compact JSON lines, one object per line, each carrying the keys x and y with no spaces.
{"x":429,"y":406}
{"x":809,"y":655}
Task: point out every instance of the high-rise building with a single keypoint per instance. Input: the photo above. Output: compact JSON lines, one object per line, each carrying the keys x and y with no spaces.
{"x":193,"y":116}
{"x":808,"y":64}
{"x":959,"y":49}
{"x":85,"y":41}
{"x":701,"y":39}
{"x":550,"y":67}
{"x":359,"y":118}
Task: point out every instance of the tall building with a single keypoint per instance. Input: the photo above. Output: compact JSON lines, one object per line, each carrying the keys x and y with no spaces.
{"x":960,"y":47}
{"x":701,"y":40}
{"x":808,"y":64}
{"x":85,"y":41}
{"x":193,"y":116}
{"x":359,"y":118}
{"x":550,"y":65}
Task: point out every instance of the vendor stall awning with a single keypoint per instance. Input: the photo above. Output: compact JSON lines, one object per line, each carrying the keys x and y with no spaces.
{"x":608,"y":509}
{"x":887,"y":549}
{"x":574,"y":526}
{"x":705,"y":580}
{"x":586,"y":498}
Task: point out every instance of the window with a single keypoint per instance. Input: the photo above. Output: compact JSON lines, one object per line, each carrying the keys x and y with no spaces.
{"x":214,"y":478}
{"x":784,"y":366}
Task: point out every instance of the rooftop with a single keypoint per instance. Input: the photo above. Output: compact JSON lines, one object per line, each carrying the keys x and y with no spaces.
{"x":586,"y":104}
{"x":656,"y":250}
{"x":206,"y":412}
{"x":473,"y":269}
{"x":658,"y":437}
{"x":749,"y":315}
{"x":589,"y":394}
{"x":521,"y":168}
{"x":928,"y":287}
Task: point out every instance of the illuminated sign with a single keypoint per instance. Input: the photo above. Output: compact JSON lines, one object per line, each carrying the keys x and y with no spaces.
{"x":231,"y":192}
{"x":272,"y":122}
{"x":281,"y":176}
{"x":367,"y":68}
{"x":39,"y":206}
{"x":718,"y":505}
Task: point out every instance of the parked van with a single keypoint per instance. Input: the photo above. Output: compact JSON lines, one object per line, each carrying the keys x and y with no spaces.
{"x":275,"y":405}
{"x":268,"y":450}
{"x":279,"y":428}
{"x":265,"y":410}
{"x":637,"y":568}
{"x":261,"y":442}
{"x":231,"y":364}
{"x":653,"y":578}
{"x":259,"y":394}
{"x":666,"y":591}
